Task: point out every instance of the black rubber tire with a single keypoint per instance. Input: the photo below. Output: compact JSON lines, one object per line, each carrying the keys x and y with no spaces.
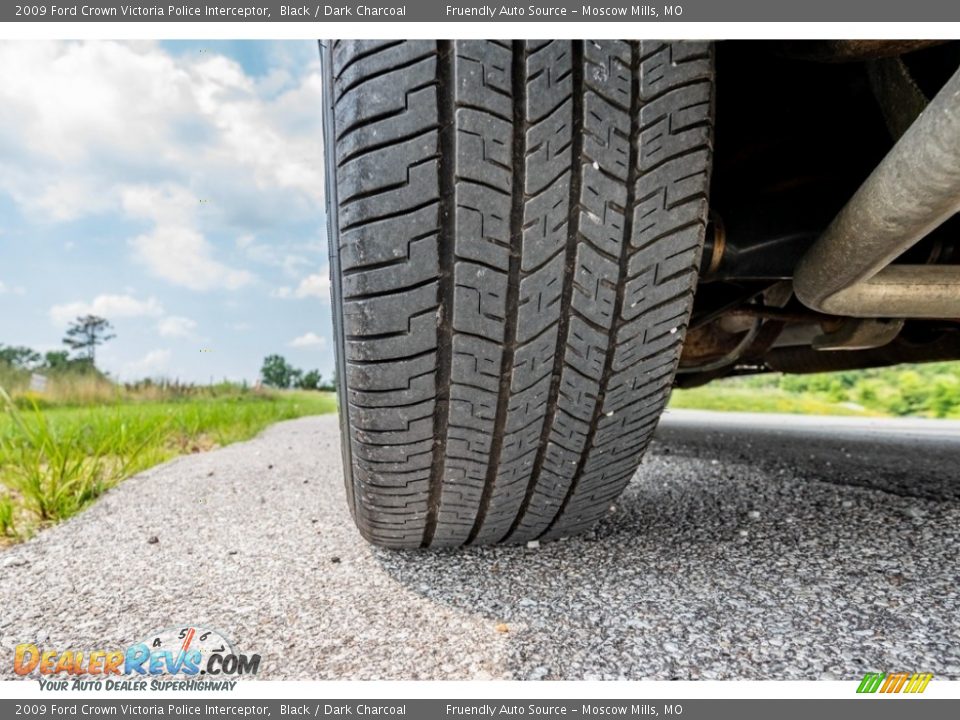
{"x":515,"y":234}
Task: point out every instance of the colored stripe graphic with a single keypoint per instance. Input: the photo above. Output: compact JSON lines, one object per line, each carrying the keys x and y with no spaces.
{"x":918,"y":683}
{"x":894,"y":682}
{"x":870,"y":683}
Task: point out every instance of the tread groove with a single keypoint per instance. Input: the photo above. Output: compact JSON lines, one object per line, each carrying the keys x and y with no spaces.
{"x":518,"y":82}
{"x":448,"y":141}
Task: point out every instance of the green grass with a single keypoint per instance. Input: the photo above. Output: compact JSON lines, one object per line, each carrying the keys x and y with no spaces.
{"x":769,"y":400}
{"x":54,"y":461}
{"x":930,"y":390}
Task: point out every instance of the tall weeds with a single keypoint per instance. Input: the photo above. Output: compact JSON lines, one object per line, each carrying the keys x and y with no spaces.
{"x":55,"y":460}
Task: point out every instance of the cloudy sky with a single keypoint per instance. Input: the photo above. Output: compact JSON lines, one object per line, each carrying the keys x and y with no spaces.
{"x":175,"y":188}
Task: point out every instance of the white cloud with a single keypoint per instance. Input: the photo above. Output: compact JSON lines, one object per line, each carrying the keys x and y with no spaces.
{"x":152,"y":364}
{"x":182,"y":256}
{"x":273,"y":255}
{"x":110,"y":307}
{"x":175,"y":326}
{"x":316,"y":285}
{"x":174,"y":250}
{"x":170,"y":203}
{"x":93,"y":115}
{"x":106,"y":128}
{"x":309,"y":339}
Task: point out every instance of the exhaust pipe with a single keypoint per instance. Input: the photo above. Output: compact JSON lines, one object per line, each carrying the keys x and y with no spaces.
{"x":913,"y":190}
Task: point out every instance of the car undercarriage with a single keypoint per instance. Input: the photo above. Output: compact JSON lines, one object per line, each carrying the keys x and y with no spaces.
{"x":800,"y":126}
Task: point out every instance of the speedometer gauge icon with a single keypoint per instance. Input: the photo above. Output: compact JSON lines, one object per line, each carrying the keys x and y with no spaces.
{"x":180,"y":640}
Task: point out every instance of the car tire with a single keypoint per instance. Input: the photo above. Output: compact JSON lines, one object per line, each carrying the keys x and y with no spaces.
{"x":515,"y":231}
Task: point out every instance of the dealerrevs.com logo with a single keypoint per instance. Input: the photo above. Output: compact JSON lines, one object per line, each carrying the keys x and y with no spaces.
{"x":887,"y":683}
{"x":197,"y":658}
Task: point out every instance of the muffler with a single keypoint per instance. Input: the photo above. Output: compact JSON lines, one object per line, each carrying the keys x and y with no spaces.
{"x":913,"y":190}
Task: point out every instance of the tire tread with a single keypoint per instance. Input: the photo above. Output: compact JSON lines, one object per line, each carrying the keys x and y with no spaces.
{"x":519,"y":230}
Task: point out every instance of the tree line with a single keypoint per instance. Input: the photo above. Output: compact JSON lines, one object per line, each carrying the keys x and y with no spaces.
{"x":84,"y":335}
{"x":923,"y":389}
{"x":277,"y":372}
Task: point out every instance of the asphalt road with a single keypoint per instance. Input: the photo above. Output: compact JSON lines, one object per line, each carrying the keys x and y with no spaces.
{"x":747,"y":547}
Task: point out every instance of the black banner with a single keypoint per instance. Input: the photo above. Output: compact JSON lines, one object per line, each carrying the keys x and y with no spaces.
{"x":478,"y":11}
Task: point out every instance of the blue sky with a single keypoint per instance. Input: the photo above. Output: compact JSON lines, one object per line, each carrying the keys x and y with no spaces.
{"x":175,"y":188}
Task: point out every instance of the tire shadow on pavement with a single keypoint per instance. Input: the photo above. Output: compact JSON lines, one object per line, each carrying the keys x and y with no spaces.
{"x":710,"y":566}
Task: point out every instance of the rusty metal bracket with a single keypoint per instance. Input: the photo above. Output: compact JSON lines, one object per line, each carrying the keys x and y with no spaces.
{"x":859,"y":335}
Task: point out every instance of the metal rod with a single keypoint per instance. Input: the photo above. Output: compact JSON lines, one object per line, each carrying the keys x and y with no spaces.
{"x":902,"y":291}
{"x":914,"y":189}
